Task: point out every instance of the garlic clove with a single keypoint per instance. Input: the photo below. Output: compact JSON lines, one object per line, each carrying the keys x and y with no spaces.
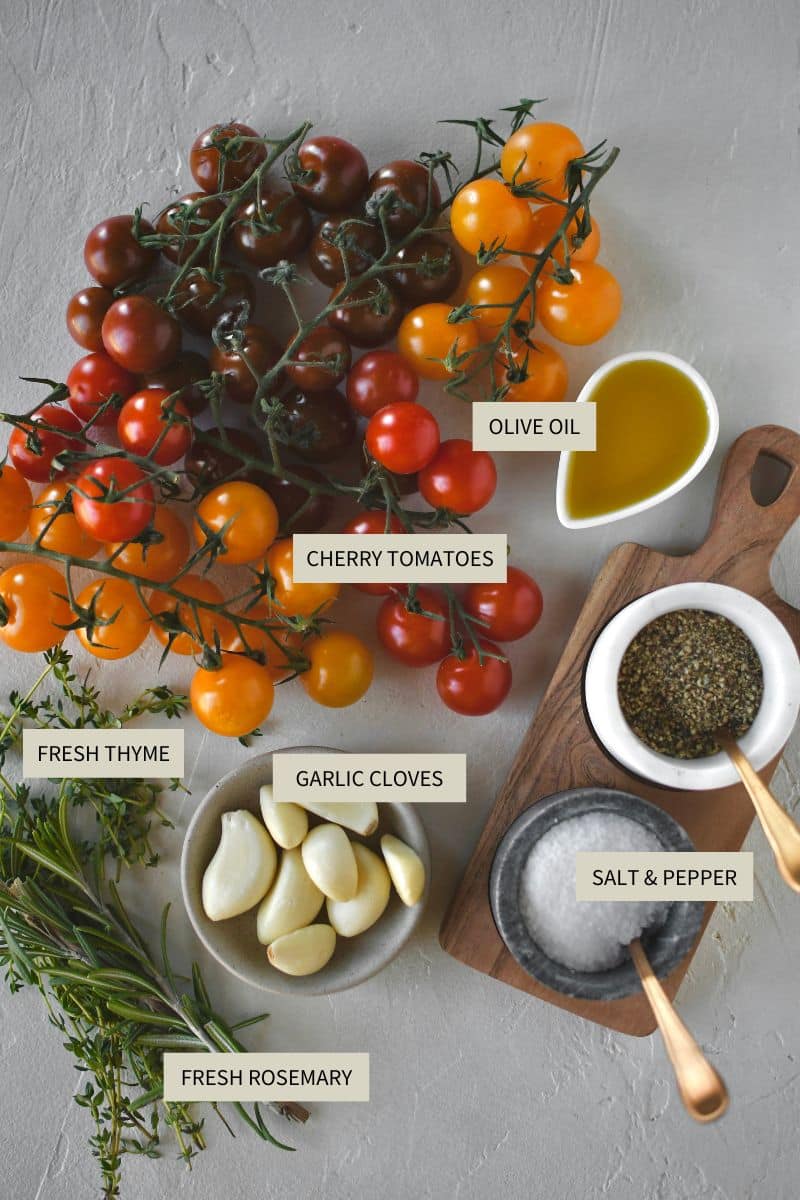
{"x":359,"y":815}
{"x":303,"y":952}
{"x":329,"y":859}
{"x":405,"y":868}
{"x":242,"y":869}
{"x":351,"y":917}
{"x":292,"y":902}
{"x":287,"y":823}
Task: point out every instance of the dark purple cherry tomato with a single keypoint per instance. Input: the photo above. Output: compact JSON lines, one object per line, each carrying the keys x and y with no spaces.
{"x":85,"y":313}
{"x":182,"y":376}
{"x":218,"y":164}
{"x":201,"y":300}
{"x":209,"y":463}
{"x":184,"y":221}
{"x":112,"y":254}
{"x":380,"y":378}
{"x":259,"y":349}
{"x":369,"y":324}
{"x":361,"y":243}
{"x":329,"y":173}
{"x":280,"y":227}
{"x":435,"y":278}
{"x":407,"y":183}
{"x":323,"y":344}
{"x":298,"y":510}
{"x":320,"y":425}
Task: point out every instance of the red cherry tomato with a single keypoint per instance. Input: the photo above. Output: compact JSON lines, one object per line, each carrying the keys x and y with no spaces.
{"x":106,"y":519}
{"x":459,"y":478}
{"x":509,"y":610}
{"x":144,"y":419}
{"x":471,"y":687}
{"x":217,"y":162}
{"x":380,"y":378}
{"x":410,"y":636}
{"x":331,"y":174}
{"x":85,"y":313}
{"x":403,"y":437}
{"x":92,"y":380}
{"x":37,"y":462}
{"x":373,"y":522}
{"x":112,"y":254}
{"x":139,"y":335}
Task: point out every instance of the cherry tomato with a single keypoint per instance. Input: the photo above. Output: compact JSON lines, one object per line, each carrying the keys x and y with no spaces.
{"x":330,"y":174}
{"x":403,"y":437}
{"x":321,"y":425}
{"x":85,"y":313}
{"x":296,"y":599}
{"x":298,"y":510}
{"x":471,"y":687}
{"x":341,"y":669}
{"x":112,"y":254}
{"x":380,"y":378}
{"x":426,"y":339}
{"x":545,"y":223}
{"x":509,"y":610}
{"x":185,"y":221}
{"x":201,"y":626}
{"x":219,"y":162}
{"x":139,"y":335}
{"x":531,"y":373}
{"x":35,"y":610}
{"x":259,"y":349}
{"x":123,"y":621}
{"x":182,"y":376}
{"x":367,"y":324}
{"x":414,"y":193}
{"x":428,"y":270}
{"x":280,"y":227}
{"x":486,"y":213}
{"x":36,"y":461}
{"x":323,"y":344}
{"x":92,"y":380}
{"x":582,"y":311}
{"x":410,"y":636}
{"x":159,"y":560}
{"x":235,"y":698}
{"x":208,"y":462}
{"x":146,"y":420}
{"x":15,"y":503}
{"x":201,"y":299}
{"x":276,"y":646}
{"x":61,"y":533}
{"x":459,"y":478}
{"x":360,"y":243}
{"x":493,"y":290}
{"x":107,"y":519}
{"x":373,"y":522}
{"x":540,"y":152}
{"x":249,"y":514}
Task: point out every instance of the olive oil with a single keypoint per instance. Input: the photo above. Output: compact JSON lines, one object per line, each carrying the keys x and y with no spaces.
{"x":652,"y":425}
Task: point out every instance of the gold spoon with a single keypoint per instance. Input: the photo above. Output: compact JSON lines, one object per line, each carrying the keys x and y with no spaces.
{"x":780,"y":829}
{"x":703,"y":1092}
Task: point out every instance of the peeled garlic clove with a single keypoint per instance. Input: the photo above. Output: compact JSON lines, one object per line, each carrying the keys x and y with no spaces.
{"x":292,"y":902}
{"x":351,"y":917}
{"x":405,"y":868}
{"x":242,"y":869}
{"x":303,"y":952}
{"x":287,"y":823}
{"x":329,"y":859}
{"x":361,"y":816}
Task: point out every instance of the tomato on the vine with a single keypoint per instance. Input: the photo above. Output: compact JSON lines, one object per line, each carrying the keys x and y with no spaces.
{"x":486,"y":213}
{"x":409,"y":634}
{"x":145,"y":418}
{"x":122,"y":619}
{"x":435,"y":347}
{"x":35,"y":461}
{"x":113,"y":255}
{"x":85,"y":313}
{"x":531,"y":373}
{"x":61,"y":533}
{"x":403,"y":437}
{"x":140,"y":335}
{"x":299,"y":511}
{"x":201,"y":299}
{"x":276,"y":645}
{"x":245,"y":513}
{"x":234,"y":698}
{"x":546,"y":221}
{"x":508,"y":610}
{"x":183,"y":376}
{"x":459,"y":478}
{"x":292,"y":598}
{"x":259,"y":349}
{"x":408,"y":191}
{"x":582,"y":311}
{"x":320,"y":425}
{"x":358,"y":245}
{"x":216,"y":456}
{"x":34,"y":609}
{"x":99,"y":508}
{"x":277,"y":225}
{"x":329,"y":173}
{"x":379,"y":378}
{"x":540,"y":152}
{"x":91,"y":382}
{"x":184,"y":221}
{"x":321,"y":345}
{"x":15,"y":503}
{"x":159,"y":560}
{"x":369,"y":316}
{"x":493,"y":291}
{"x":373,"y":521}
{"x":218,"y":162}
{"x":428,"y":270}
{"x":340,"y":670}
{"x":190,"y":627}
{"x":473,"y":687}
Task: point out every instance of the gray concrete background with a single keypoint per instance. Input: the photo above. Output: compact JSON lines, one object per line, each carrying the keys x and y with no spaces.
{"x":477,"y":1090}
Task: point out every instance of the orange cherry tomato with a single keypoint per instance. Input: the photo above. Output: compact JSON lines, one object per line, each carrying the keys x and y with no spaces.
{"x":252,"y":515}
{"x":296,"y":599}
{"x":493,"y":290}
{"x":15,"y":503}
{"x":235,"y":698}
{"x":63,"y":533}
{"x":125,"y":619}
{"x":426,"y":337}
{"x":486,"y":212}
{"x":277,"y":646}
{"x":34,"y":606}
{"x":340,"y":671}
{"x":541,"y":152}
{"x":204,"y":626}
{"x":531,"y":373}
{"x":159,"y":561}
{"x":582,"y":311}
{"x":546,"y":221}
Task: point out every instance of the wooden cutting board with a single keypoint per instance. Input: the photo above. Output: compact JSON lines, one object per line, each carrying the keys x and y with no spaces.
{"x":559,"y":750}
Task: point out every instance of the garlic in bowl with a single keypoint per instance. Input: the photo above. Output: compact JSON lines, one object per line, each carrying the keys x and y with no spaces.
{"x":309,"y":930}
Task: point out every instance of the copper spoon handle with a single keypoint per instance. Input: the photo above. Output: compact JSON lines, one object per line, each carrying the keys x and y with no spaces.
{"x":780,"y":829}
{"x":703,"y":1092}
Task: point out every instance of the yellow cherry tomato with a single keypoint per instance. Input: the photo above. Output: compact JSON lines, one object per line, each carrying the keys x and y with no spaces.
{"x":33,"y":607}
{"x":531,"y":373}
{"x":340,"y":671}
{"x":582,"y":311}
{"x":486,"y":212}
{"x":64,"y":535}
{"x":546,"y":221}
{"x":252,"y":515}
{"x":425,"y":338}
{"x":541,"y":152}
{"x":125,"y":618}
{"x":205,"y":626}
{"x":493,"y":290}
{"x":15,"y":503}
{"x":158,"y":561}
{"x":234,"y":699}
{"x":296,"y":599}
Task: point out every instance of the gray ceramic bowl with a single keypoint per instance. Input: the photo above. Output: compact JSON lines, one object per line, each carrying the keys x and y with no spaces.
{"x":665,"y":945}
{"x":234,"y":942}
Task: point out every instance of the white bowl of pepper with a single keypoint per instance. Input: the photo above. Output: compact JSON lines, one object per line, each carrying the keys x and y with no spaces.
{"x":682,"y":663}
